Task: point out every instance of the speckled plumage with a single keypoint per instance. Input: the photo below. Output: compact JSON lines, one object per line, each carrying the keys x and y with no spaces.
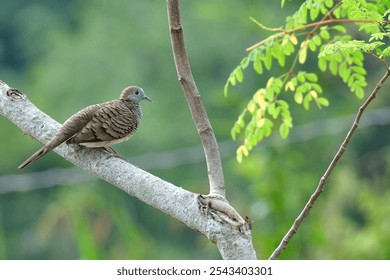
{"x":100,"y":125}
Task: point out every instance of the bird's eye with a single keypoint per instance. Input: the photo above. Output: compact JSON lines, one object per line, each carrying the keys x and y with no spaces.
{"x":136,"y":92}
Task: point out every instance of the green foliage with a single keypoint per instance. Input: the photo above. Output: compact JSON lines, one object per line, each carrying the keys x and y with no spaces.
{"x":346,"y":61}
{"x":315,"y":27}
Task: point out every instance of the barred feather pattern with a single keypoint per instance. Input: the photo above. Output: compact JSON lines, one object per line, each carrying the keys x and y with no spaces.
{"x":113,"y":122}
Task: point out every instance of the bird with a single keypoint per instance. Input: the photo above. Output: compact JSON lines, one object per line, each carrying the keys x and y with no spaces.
{"x":100,"y":125}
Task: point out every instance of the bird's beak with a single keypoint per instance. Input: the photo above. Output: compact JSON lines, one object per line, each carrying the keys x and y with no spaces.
{"x":147,"y":98}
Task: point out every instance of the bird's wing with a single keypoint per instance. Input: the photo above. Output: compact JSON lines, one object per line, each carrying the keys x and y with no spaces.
{"x":69,"y":129}
{"x":109,"y":123}
{"x":78,"y":121}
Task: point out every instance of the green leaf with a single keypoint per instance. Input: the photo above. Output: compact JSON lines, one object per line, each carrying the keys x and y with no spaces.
{"x":281,"y":59}
{"x":306,"y":101}
{"x":359,"y":70}
{"x":269,"y":94}
{"x":259,"y":134}
{"x":338,"y":57}
{"x":276,"y":112}
{"x":298,"y":97}
{"x":322,"y":64}
{"x":254,"y":54}
{"x":268,"y":127}
{"x":312,"y":77}
{"x":284,"y":130}
{"x":276,"y":49}
{"x":322,"y":101}
{"x":235,"y":130}
{"x":239,"y":155}
{"x":329,"y":3}
{"x":288,"y":47}
{"x":339,"y":28}
{"x":277,"y":85}
{"x":358,"y":55}
{"x":357,"y":61}
{"x":333,"y":67}
{"x":283,"y":105}
{"x":325,"y":34}
{"x":346,"y":75}
{"x":287,"y":120}
{"x":343,"y":68}
{"x":258,"y":66}
{"x":301,"y":77}
{"x":359,"y":92}
{"x":385,"y":52}
{"x":239,"y":74}
{"x":251,"y":107}
{"x":271,"y":109}
{"x":225,"y":89}
{"x":232,"y":80}
{"x":312,"y":46}
{"x":317,"y":88}
{"x":314,"y":11}
{"x":268,"y":60}
{"x":317,"y":40}
{"x":240,"y":120}
{"x":302,"y":54}
{"x":250,"y":128}
{"x":244,"y":62}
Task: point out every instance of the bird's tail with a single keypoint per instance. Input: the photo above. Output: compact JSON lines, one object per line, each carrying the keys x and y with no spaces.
{"x":38,"y":154}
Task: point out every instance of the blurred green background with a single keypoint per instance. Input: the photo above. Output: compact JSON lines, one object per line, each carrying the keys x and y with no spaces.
{"x":68,"y":54}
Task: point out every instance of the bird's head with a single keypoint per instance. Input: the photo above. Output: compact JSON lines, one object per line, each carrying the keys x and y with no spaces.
{"x":134,"y":94}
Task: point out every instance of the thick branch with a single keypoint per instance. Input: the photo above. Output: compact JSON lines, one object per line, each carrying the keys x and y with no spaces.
{"x":164,"y":196}
{"x":199,"y":115}
{"x":306,"y":210}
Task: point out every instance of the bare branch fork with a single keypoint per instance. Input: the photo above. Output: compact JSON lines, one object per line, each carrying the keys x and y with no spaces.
{"x":215,"y":206}
{"x":306,"y":210}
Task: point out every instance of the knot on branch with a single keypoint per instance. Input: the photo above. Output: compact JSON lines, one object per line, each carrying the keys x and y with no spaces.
{"x":14,"y":94}
{"x":218,"y":208}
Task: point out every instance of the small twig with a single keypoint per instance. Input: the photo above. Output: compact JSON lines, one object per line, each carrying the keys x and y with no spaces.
{"x":280,"y":29}
{"x":199,"y":115}
{"x":317,"y":23}
{"x":306,"y":210}
{"x":380,"y":59}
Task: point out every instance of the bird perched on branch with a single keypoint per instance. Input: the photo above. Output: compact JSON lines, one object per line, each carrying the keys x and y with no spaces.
{"x":101,"y":125}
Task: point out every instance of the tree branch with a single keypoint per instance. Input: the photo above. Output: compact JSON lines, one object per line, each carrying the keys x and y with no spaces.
{"x":162,"y":195}
{"x":170,"y":199}
{"x":306,"y":210}
{"x":199,"y":115}
{"x":214,"y":206}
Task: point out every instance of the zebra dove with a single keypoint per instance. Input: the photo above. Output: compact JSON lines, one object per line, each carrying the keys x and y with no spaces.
{"x":100,"y":125}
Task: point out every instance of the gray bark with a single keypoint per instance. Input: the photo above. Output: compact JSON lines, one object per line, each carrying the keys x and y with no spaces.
{"x":231,"y":234}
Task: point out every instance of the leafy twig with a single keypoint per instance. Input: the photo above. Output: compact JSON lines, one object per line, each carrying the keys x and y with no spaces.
{"x":280,"y":29}
{"x":306,"y":210}
{"x":313,"y":24}
{"x":309,"y":35}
